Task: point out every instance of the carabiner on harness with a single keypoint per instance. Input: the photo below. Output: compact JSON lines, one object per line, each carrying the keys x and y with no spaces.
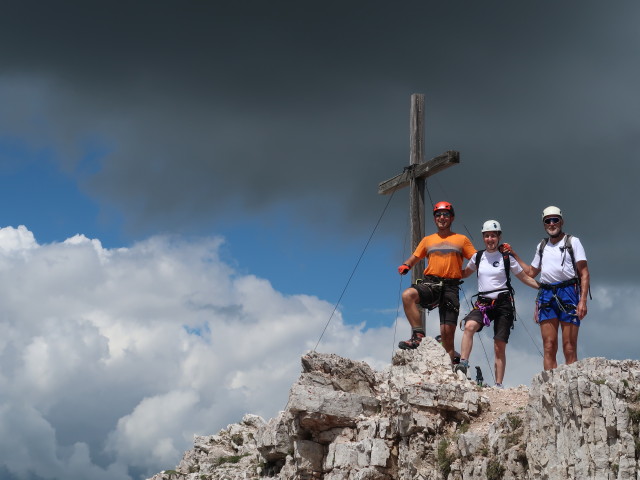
{"x":432,"y":285}
{"x":564,"y":307}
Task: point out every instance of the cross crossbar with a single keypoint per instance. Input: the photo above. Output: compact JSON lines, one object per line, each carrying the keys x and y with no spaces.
{"x":419,"y":170}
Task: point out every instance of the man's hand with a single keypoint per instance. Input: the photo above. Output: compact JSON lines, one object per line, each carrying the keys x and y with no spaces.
{"x":581,"y":310}
{"x":403,"y":269}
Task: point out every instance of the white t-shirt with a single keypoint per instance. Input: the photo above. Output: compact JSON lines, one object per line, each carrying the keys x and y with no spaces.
{"x":491,"y":274}
{"x":556,"y":261}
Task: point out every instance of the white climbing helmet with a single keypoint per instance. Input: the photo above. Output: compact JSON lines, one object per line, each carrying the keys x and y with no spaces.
{"x":491,"y":226}
{"x":551,"y":210}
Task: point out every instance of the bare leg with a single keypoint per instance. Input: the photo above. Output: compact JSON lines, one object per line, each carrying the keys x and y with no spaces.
{"x":569,"y":342}
{"x":499,"y":350}
{"x":448,"y":333}
{"x":549,"y":332}
{"x":410,"y":300}
{"x":470,"y":329}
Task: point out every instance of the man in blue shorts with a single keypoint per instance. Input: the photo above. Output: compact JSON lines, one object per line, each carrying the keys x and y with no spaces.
{"x":564,"y":286}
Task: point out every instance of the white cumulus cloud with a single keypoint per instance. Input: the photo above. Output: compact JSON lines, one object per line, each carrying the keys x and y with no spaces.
{"x":112,"y":359}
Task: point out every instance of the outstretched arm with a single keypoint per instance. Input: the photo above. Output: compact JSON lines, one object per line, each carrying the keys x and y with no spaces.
{"x":467,"y":271}
{"x":530,"y":270}
{"x":527,"y":280}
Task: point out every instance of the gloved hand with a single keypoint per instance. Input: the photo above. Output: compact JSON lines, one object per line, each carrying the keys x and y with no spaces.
{"x":403,"y":269}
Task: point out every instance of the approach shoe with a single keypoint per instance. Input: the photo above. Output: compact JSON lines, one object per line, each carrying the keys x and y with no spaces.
{"x":413,"y":342}
{"x":461,"y":367}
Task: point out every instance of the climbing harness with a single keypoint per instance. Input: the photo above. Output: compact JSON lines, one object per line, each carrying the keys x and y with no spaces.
{"x":434,"y":283}
{"x":485,"y":303}
{"x":432,"y":286}
{"x":565,"y":307}
{"x":564,"y":249}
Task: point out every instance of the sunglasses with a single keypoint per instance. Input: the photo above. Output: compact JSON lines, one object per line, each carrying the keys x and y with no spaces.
{"x":552,"y":220}
{"x":442,"y":214}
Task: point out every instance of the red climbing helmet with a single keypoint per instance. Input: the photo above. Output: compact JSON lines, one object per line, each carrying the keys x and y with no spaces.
{"x":443,"y":206}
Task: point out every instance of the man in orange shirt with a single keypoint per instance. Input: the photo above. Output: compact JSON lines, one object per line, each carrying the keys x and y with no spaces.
{"x":444,"y":251}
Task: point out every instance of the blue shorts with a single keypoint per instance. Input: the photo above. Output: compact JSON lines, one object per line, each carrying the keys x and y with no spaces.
{"x":557,"y":302}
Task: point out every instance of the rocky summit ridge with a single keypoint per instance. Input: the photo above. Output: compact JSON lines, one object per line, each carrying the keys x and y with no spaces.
{"x":418,"y":420}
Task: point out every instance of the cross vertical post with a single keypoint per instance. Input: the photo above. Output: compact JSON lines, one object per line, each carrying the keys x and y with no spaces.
{"x":414,"y":176}
{"x":416,"y":184}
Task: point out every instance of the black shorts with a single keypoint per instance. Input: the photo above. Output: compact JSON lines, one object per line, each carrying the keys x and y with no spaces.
{"x":501,"y":315}
{"x":445,"y":297}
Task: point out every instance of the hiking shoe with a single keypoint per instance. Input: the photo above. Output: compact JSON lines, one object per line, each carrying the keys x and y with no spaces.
{"x":498,"y":385}
{"x":413,"y":342}
{"x":461,"y":367}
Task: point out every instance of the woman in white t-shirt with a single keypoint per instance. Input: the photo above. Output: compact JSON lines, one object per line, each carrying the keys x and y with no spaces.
{"x":495,"y":298}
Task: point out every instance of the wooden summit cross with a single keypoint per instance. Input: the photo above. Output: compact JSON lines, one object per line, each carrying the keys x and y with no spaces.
{"x":414,"y":176}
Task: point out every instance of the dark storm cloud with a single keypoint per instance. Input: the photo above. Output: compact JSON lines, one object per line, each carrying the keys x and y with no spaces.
{"x":202,"y":110}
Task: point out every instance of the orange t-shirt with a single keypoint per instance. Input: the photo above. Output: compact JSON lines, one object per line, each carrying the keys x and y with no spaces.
{"x":444,"y":254}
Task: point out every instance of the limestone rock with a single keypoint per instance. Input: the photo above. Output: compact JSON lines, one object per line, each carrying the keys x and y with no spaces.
{"x":418,"y":420}
{"x":586,"y":418}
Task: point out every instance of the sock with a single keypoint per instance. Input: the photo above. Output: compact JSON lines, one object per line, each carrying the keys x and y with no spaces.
{"x":418,"y":330}
{"x":464,"y":362}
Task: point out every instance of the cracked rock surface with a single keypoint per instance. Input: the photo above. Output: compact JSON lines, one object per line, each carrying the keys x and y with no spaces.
{"x":418,"y":420}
